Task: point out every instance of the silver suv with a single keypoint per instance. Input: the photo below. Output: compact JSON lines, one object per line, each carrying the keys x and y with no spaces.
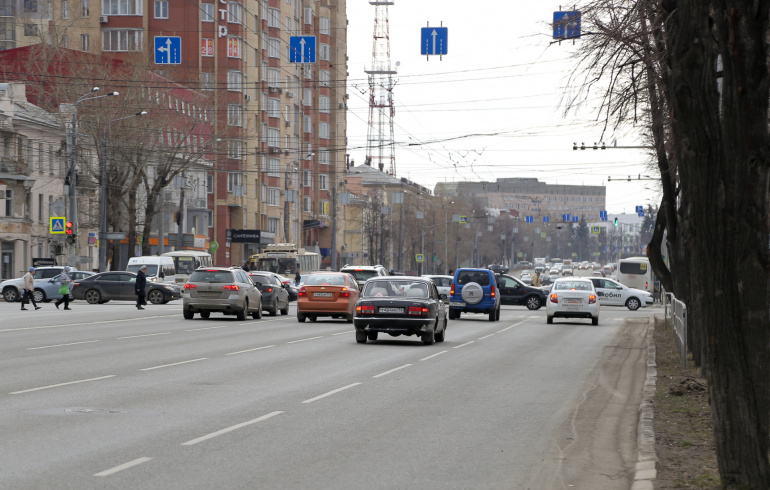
{"x":364,"y":272}
{"x":12,"y":287}
{"x":228,"y":290}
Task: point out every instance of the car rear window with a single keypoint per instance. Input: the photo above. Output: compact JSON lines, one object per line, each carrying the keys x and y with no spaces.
{"x":396,"y":289}
{"x":361,"y":275}
{"x":211,"y":276}
{"x":480,"y":277}
{"x":569,"y":285}
{"x":323,"y":280}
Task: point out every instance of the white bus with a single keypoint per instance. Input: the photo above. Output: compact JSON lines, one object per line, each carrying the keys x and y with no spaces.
{"x":635,"y":272}
{"x":186,"y":261}
{"x":283,"y":259}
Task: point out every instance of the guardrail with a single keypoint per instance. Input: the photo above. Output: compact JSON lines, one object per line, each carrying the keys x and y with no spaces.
{"x":676,"y":318}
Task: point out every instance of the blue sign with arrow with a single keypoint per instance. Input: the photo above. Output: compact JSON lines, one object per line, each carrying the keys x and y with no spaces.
{"x":434,"y":40}
{"x":302,"y":49}
{"x":546,"y":219}
{"x":566,"y":25}
{"x":529,"y":219}
{"x":168,"y":50}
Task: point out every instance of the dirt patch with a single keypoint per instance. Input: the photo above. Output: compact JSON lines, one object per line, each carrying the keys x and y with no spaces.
{"x":684,"y":441}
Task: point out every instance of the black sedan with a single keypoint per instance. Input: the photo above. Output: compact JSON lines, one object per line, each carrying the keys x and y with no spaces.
{"x":275,"y":294}
{"x":515,"y":292}
{"x":104,"y":287}
{"x":400,"y":305}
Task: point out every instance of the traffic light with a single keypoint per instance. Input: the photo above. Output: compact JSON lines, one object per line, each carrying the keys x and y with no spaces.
{"x":68,"y":229}
{"x":616,"y":221}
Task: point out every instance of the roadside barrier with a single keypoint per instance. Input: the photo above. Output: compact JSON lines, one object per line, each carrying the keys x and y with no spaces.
{"x":676,"y":318}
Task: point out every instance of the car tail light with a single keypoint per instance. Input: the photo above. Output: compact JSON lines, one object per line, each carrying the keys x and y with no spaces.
{"x":75,"y":284}
{"x":492,"y":292}
{"x":345,"y":293}
{"x":452,"y":291}
{"x":554,"y":298}
{"x":269,"y":290}
{"x":418,"y":310}
{"x":190,"y":286}
{"x":301,"y":293}
{"x":592,"y":298}
{"x":231,"y":287}
{"x":365,"y":309}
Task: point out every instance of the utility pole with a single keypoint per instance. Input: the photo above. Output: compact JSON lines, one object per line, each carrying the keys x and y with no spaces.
{"x":180,"y":214}
{"x":401,"y":229}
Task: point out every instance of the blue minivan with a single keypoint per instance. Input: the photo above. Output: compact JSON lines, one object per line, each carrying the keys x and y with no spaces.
{"x":474,"y":291}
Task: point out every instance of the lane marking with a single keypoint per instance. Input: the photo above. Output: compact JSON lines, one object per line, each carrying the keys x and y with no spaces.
{"x":486,"y":336}
{"x":122,"y":467}
{"x":63,"y":345}
{"x":311,"y":338}
{"x":391,"y":371}
{"x":62,"y":384}
{"x":463,"y":345}
{"x":206,"y":328}
{"x":434,"y":355}
{"x":343,"y":333}
{"x":311,"y":400}
{"x":79,"y":324}
{"x":262,"y":321}
{"x":249,"y":350}
{"x":511,"y":326}
{"x":174,"y":364}
{"x":145,"y":335}
{"x":229,"y":429}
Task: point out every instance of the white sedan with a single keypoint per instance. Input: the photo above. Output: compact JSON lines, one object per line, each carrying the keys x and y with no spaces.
{"x":572,"y":297}
{"x":613,"y":293}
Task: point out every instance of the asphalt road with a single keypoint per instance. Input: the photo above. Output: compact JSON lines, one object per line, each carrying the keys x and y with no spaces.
{"x":105,"y":396}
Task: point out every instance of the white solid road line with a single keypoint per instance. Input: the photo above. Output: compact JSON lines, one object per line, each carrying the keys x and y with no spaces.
{"x":463,"y":345}
{"x":144,"y":335}
{"x":62,"y":384}
{"x":331,"y":393}
{"x":229,"y":429}
{"x":249,"y":350}
{"x":63,"y":345}
{"x":311,"y":338}
{"x":122,"y":467}
{"x":80,"y":324}
{"x":174,"y":364}
{"x":434,"y":355}
{"x":391,"y":371}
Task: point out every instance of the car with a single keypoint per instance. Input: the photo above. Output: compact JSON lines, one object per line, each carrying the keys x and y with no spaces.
{"x":515,"y":292}
{"x":364,"y":272}
{"x":498,"y":269}
{"x":443,"y":284}
{"x":119,"y":285}
{"x":597,"y":274}
{"x":227,"y":290}
{"x":400,"y":306}
{"x":275,"y":293}
{"x":567,"y":271}
{"x":331,"y":294}
{"x":613,"y":293}
{"x":11,"y":288}
{"x":48,"y":289}
{"x":474,"y":291}
{"x":546,"y":278}
{"x":526,"y":277}
{"x":572,"y":297}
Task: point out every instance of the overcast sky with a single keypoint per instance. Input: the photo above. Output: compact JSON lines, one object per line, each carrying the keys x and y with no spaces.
{"x":490,"y":108}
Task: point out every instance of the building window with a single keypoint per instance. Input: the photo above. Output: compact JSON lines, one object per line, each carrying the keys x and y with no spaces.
{"x":65,"y":9}
{"x":307,"y":204}
{"x":161,"y":9}
{"x":85,"y":8}
{"x":324,"y":77}
{"x":85,"y":43}
{"x":272,"y":224}
{"x":234,"y":81}
{"x":234,"y":149}
{"x":273,"y":18}
{"x":325,"y":25}
{"x":307,"y":97}
{"x":273,"y":107}
{"x":273,"y":137}
{"x":323,"y":130}
{"x":121,"y":40}
{"x":30,"y":30}
{"x":273,"y":77}
{"x":207,"y":12}
{"x":234,"y":12}
{"x":307,"y":178}
{"x":323,"y":182}
{"x":210,"y":217}
{"x":274,"y":48}
{"x":65,"y":41}
{"x":207,"y":81}
{"x":233,"y":180}
{"x":323,"y":208}
{"x":323,"y":156}
{"x":121,"y":7}
{"x":234,"y":47}
{"x":30,"y":6}
{"x":9,"y":202}
{"x":308,"y":125}
{"x":234,"y":115}
{"x":273,"y":167}
{"x":264,"y":71}
{"x":325,"y":52}
{"x":40,"y":208}
{"x":308,"y":16}
{"x":263,"y":195}
{"x":273,"y":196}
{"x":323,"y":104}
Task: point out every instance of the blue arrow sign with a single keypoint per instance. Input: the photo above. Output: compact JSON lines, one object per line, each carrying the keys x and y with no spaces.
{"x":546,"y":219}
{"x":565,"y":217}
{"x":566,"y":25}
{"x":302,"y":49}
{"x":529,"y":219}
{"x":575,"y":219}
{"x":433,"y":40}
{"x":168,"y":50}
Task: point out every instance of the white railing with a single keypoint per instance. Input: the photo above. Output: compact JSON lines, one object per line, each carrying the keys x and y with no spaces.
{"x":676,"y":319}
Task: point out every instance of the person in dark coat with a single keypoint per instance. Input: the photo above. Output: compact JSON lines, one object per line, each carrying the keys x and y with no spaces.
{"x":297,"y":277}
{"x":141,"y":282}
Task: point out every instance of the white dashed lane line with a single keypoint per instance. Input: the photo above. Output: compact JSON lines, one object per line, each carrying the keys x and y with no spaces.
{"x":173,"y":364}
{"x":62,"y":384}
{"x":229,"y":429}
{"x":463,"y":345}
{"x":302,"y":340}
{"x":206,"y":328}
{"x":391,"y":371}
{"x":249,"y":350}
{"x":63,"y":345}
{"x":41,"y":327}
{"x":311,"y":400}
{"x":486,"y":336}
{"x":144,"y":335}
{"x":122,"y":467}
{"x":343,"y":333}
{"x":434,"y":355}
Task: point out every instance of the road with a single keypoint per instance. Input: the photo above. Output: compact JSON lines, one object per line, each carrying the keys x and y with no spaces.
{"x":105,"y":396}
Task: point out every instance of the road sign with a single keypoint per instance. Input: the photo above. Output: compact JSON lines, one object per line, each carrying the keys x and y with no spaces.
{"x":575,"y":219}
{"x":529,"y":219}
{"x":596,"y":229}
{"x":566,"y":25}
{"x":546,"y":219}
{"x":462,"y":219}
{"x":434,"y":40}
{"x":419,"y":257}
{"x":57,"y":225}
{"x":542,"y":235}
{"x":168,"y":50}
{"x":302,"y":49}
{"x":565,"y":217}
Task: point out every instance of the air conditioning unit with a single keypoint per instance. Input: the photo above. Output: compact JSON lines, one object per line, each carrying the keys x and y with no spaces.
{"x":103,"y":19}
{"x":289,"y":93}
{"x":248,"y":98}
{"x":275,"y":90}
{"x":288,"y":124}
{"x":342,"y":106}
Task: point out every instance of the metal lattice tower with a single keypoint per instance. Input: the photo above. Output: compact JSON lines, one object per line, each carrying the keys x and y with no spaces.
{"x":380,"y":143}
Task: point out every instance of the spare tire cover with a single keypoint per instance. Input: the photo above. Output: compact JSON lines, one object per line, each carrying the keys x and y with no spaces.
{"x":472,"y":293}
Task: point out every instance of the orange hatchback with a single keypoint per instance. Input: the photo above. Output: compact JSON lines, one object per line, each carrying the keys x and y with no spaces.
{"x":331,"y":294}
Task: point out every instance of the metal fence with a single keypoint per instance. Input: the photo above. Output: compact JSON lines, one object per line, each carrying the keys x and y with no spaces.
{"x":676,"y":319}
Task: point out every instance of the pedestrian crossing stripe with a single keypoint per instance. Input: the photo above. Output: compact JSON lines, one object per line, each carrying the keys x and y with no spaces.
{"x":57,"y":224}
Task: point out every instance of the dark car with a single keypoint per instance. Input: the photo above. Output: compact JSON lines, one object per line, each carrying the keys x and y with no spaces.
{"x":515,"y":292}
{"x":400,"y":306}
{"x":108,"y":286}
{"x":498,"y":269}
{"x":275,"y":294}
{"x":474,"y":291}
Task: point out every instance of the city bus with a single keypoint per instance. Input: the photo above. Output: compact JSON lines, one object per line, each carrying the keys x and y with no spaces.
{"x":635,"y":272}
{"x":283,"y":259}
{"x":186,"y":261}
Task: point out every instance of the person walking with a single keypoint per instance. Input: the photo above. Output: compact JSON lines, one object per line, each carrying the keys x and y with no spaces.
{"x":141,"y":282}
{"x":29,"y":290}
{"x":536,"y":279}
{"x":297,"y":277}
{"x":64,"y":289}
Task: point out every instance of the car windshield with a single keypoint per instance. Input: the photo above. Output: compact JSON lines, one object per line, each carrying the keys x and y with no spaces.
{"x":361,"y":275}
{"x":211,"y":276}
{"x":151,"y":269}
{"x":325,"y":280}
{"x":279,"y":266}
{"x":396,"y":289}
{"x":570,"y":285}
{"x":466,"y":277}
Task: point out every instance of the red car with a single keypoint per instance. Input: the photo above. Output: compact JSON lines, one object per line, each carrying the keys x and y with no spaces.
{"x":331,"y":294}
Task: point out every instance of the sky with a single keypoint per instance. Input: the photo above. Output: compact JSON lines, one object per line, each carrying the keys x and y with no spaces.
{"x":491,"y":107}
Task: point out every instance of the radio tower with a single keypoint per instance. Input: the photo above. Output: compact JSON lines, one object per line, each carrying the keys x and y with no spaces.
{"x":379,"y":138}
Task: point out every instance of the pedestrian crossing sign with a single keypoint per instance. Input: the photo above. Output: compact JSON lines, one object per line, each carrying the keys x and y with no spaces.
{"x":57,"y":225}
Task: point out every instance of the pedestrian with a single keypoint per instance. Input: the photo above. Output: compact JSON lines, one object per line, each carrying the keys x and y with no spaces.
{"x":246,"y":266}
{"x":64,"y":289}
{"x":392,"y":272}
{"x":536,"y":279}
{"x":297,"y":276}
{"x":141,"y":282}
{"x":29,"y":290}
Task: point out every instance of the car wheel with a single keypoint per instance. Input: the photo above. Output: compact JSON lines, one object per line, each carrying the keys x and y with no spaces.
{"x":497,"y":317}
{"x":349,"y":318}
{"x":493,"y":315}
{"x":372,"y":336}
{"x":429,"y":337}
{"x":11,"y":295}
{"x":440,"y":335}
{"x":156,"y":297}
{"x":274,"y":311}
{"x":300,"y":317}
{"x":633,"y":304}
{"x":454,"y":314}
{"x":533,"y":303}
{"x":39,"y":296}
{"x":360,"y":337}
{"x":93,"y":297}
{"x":241,"y":315}
{"x":312,"y":318}
{"x":285,"y":311}
{"x":595,"y":320}
{"x":549,"y":320}
{"x":204,"y":314}
{"x":257,"y":315}
{"x":188,"y":315}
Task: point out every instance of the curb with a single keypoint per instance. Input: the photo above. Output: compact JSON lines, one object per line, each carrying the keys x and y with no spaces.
{"x":645,"y":439}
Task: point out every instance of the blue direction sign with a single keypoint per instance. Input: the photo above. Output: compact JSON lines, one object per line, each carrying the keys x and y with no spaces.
{"x":434,"y":40}
{"x":565,"y":217}
{"x":302,"y":49}
{"x":576,"y":219}
{"x":529,"y":219}
{"x":546,"y":219}
{"x":566,"y":25}
{"x":168,"y":50}
{"x":603,"y":215}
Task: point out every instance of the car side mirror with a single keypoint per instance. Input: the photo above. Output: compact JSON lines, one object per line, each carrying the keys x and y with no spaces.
{"x":443,"y":296}
{"x":618,"y":287}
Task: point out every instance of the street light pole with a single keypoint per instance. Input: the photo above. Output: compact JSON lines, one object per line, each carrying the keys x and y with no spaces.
{"x":103,"y":195}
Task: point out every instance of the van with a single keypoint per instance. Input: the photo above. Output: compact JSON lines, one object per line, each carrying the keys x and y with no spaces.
{"x":159,"y":268}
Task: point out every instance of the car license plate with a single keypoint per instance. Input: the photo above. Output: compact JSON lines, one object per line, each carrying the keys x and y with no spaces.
{"x":572,"y":301}
{"x":322,"y":295}
{"x":456,"y":303}
{"x":391,"y":310}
